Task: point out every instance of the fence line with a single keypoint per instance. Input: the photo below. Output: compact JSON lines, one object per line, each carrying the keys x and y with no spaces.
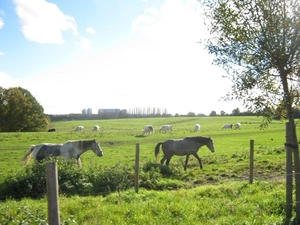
{"x":257,"y":177}
{"x":244,"y":178}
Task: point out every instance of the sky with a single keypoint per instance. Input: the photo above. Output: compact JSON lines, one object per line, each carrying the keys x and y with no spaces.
{"x":73,"y":55}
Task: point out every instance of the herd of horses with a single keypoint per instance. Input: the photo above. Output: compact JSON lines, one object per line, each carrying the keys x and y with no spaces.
{"x":72,"y":150}
{"x":149,"y":129}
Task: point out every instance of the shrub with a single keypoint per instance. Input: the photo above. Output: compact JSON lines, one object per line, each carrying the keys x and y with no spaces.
{"x":72,"y":180}
{"x":150,"y":178}
{"x":31,"y":182}
{"x":110,"y":179}
{"x":28,"y":183}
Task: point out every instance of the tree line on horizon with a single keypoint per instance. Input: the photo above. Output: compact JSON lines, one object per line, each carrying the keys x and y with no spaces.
{"x":145,"y":113}
{"x":21,"y":112}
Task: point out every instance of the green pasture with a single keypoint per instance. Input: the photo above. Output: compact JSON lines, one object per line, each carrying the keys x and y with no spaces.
{"x":227,"y":169}
{"x":261,"y":203}
{"x":118,"y":138}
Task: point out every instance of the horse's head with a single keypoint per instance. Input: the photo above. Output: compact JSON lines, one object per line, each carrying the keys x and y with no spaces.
{"x":97,"y":149}
{"x":210,"y":144}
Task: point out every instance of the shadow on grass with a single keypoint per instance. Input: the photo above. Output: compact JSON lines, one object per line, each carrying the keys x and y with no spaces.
{"x":140,"y":136}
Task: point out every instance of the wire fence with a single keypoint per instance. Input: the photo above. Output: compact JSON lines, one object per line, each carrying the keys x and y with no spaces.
{"x":246,"y":176}
{"x":206,"y":180}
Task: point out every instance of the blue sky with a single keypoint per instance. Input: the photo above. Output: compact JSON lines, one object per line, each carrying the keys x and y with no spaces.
{"x":73,"y":55}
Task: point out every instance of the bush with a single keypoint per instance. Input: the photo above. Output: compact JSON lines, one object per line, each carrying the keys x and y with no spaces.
{"x":111,"y":179}
{"x":31,"y":182}
{"x":28,"y":183}
{"x":72,"y":180}
{"x":150,"y":178}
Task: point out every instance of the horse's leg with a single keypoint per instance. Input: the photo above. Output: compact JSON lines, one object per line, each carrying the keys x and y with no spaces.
{"x":163,"y":160}
{"x":186,"y":161}
{"x":199,"y":159}
{"x":79,"y":162}
{"x":168,"y":160}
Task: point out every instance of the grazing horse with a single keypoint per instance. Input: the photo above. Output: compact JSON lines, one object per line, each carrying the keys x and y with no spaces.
{"x":238,"y":125}
{"x":165,"y":128}
{"x":197,"y":127}
{"x":69,"y":150}
{"x":227,"y":126}
{"x":96,"y":128}
{"x":187,"y":146}
{"x":79,"y":128}
{"x":148,"y":130}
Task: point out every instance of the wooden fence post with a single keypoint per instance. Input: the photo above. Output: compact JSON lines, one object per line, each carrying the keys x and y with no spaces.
{"x":137,"y":167}
{"x":52,"y":193}
{"x":251,"y":160}
{"x":289,"y":172}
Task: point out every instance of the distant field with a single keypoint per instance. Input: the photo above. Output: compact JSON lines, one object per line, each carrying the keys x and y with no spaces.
{"x":221,"y":193}
{"x":118,"y":138}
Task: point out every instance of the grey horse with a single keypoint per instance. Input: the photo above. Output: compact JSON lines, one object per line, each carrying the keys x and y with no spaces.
{"x":187,"y":146}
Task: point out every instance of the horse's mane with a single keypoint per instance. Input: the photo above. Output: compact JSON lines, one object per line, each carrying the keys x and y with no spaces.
{"x":198,"y":139}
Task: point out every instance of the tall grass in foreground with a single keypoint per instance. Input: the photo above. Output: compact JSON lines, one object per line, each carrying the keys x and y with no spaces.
{"x":233,"y":203}
{"x":218,"y":194}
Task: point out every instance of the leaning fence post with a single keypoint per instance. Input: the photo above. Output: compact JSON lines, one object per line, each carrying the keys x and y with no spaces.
{"x":52,"y":193}
{"x":137,"y":165}
{"x":289,"y":172}
{"x":251,"y":160}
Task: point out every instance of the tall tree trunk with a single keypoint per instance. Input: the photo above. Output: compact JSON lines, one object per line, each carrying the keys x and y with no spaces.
{"x":294,"y":145}
{"x":296,"y":159}
{"x":292,"y":132}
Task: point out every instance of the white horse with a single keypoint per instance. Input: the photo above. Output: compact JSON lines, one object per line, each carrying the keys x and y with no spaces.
{"x":238,"y":125}
{"x":197,"y":127}
{"x":96,"y":128}
{"x":165,"y":128}
{"x":79,"y":128}
{"x":148,"y":130}
{"x":69,"y":150}
{"x":227,"y":126}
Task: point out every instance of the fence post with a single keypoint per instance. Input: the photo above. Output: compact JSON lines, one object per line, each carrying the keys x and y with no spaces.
{"x":137,"y":165}
{"x":251,"y":160}
{"x":289,"y":172}
{"x":52,"y":193}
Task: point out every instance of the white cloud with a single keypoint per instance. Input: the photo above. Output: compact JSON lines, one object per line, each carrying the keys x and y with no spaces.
{"x":90,"y":30}
{"x":162,"y":67}
{"x":175,"y":22}
{"x":43,"y":22}
{"x":2,"y":53}
{"x":145,"y":19}
{"x":7,"y":81}
{"x":85,"y":43}
{"x":1,"y":23}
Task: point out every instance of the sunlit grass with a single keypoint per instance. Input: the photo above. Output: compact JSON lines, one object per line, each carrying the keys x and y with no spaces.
{"x":231,"y":203}
{"x":218,"y":194}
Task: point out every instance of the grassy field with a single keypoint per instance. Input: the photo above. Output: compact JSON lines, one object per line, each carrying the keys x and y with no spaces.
{"x":119,"y":137}
{"x":220,"y":194}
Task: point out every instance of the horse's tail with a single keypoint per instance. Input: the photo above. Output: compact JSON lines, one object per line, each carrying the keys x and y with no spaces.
{"x":26,"y":158}
{"x":156,"y":151}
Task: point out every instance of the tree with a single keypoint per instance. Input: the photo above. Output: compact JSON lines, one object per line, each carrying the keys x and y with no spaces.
{"x":213,"y":113}
{"x":257,"y":42}
{"x":297,"y":112}
{"x":236,"y":112}
{"x":191,"y":114}
{"x":20,"y":111}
